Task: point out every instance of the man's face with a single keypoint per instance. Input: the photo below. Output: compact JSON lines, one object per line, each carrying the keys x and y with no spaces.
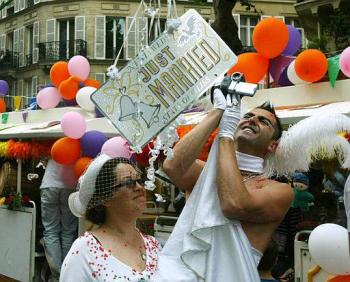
{"x":256,"y":129}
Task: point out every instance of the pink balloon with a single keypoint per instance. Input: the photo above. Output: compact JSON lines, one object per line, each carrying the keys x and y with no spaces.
{"x":48,"y":98}
{"x":117,"y":147}
{"x":73,"y":125}
{"x":79,"y":66}
{"x":68,"y":177}
{"x":344,"y":62}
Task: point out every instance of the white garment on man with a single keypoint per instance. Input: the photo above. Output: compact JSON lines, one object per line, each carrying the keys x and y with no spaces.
{"x":204,"y":245}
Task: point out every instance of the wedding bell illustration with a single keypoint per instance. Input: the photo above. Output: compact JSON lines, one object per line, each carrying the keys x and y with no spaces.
{"x":131,"y":110}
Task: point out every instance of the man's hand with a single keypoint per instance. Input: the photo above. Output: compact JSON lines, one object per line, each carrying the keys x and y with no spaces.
{"x":219,"y":101}
{"x":230,"y":118}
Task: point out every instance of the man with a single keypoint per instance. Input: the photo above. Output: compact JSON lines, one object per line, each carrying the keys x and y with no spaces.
{"x":60,"y":225}
{"x":245,"y":195}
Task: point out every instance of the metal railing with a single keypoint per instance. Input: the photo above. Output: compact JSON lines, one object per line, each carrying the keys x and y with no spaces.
{"x":29,"y":60}
{"x":61,"y":50}
{"x":9,"y":59}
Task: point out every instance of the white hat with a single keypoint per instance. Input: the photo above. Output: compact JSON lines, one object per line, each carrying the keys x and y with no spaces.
{"x":78,"y":201}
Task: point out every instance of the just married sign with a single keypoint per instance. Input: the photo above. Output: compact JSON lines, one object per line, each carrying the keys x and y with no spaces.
{"x":164,"y":79}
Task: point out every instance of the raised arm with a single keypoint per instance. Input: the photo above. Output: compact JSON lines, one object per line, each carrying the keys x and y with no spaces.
{"x":184,"y":168}
{"x":264,"y":205}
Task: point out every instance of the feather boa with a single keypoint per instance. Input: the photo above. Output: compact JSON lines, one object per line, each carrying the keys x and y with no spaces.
{"x":316,"y":138}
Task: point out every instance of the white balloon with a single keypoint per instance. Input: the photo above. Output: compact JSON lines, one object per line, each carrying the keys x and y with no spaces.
{"x":292,"y":75}
{"x":83,"y":98}
{"x":329,"y":248}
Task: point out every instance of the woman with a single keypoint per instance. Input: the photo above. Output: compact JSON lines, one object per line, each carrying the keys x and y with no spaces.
{"x":112,"y":196}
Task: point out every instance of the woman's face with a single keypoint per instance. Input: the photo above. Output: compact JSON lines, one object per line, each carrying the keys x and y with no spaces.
{"x":130,"y":194}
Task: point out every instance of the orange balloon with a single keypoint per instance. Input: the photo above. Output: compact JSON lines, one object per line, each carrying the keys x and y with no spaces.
{"x":59,"y":72}
{"x":92,"y":82}
{"x":2,"y":105}
{"x":340,"y":278}
{"x":252,"y":65}
{"x":66,"y":150}
{"x":311,"y":65}
{"x":270,"y":37}
{"x":69,"y":88}
{"x":81,"y":165}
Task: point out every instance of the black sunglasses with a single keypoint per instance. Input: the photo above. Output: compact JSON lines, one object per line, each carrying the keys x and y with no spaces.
{"x":131,"y":183}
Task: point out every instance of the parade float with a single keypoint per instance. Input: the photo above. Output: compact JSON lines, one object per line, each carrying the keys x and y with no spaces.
{"x":142,"y":103}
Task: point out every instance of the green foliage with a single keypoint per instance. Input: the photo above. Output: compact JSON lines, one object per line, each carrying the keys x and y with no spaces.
{"x":4,"y":4}
{"x":339,"y":29}
{"x":318,"y":43}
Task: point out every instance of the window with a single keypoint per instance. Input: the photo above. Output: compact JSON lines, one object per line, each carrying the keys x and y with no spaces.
{"x":100,"y":77}
{"x":296,"y":23}
{"x":156,"y":29}
{"x":137,"y":37}
{"x":115,"y":32}
{"x":29,"y":43}
{"x":66,"y":38}
{"x":247,"y":25}
{"x":30,"y":91}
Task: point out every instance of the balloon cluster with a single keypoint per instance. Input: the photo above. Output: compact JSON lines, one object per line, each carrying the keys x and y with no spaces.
{"x":276,"y":43}
{"x":70,"y":82}
{"x":4,"y":89}
{"x":79,"y":147}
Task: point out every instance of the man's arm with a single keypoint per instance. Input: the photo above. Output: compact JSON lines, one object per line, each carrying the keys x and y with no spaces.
{"x":257,"y":206}
{"x":184,"y":168}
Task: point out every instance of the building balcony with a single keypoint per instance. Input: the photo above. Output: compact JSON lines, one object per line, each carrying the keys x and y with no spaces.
{"x":29,"y":60}
{"x":9,"y":59}
{"x":304,"y":7}
{"x":61,"y":50}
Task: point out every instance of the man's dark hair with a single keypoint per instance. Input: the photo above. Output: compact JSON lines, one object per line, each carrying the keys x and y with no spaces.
{"x":267,"y":106}
{"x":268,"y":260}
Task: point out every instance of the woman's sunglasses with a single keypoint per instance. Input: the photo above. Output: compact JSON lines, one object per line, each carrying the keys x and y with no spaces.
{"x":131,"y":183}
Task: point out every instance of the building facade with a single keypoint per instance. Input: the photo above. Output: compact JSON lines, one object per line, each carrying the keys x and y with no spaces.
{"x":34,"y":34}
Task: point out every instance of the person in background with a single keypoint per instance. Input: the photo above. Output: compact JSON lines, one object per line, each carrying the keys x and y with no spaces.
{"x":112,"y":196}
{"x":60,"y":225}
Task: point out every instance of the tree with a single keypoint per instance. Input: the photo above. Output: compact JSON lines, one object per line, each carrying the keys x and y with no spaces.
{"x":225,"y":25}
{"x":4,"y":4}
{"x":339,"y":29}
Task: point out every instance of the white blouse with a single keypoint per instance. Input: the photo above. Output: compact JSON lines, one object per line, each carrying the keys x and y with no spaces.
{"x":87,"y":260}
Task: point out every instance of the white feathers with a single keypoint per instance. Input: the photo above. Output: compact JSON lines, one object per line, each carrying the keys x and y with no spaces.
{"x":314,"y":138}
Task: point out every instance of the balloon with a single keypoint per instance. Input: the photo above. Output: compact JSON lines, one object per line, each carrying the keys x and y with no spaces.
{"x":311,"y":65}
{"x":283,"y":80}
{"x":292,"y":76}
{"x":65,"y":151}
{"x":73,"y":125}
{"x":59,"y":72}
{"x":81,"y":165}
{"x":270,"y":37}
{"x":92,"y":82}
{"x":329,"y":248}
{"x":68,"y":177}
{"x":340,"y":278}
{"x":83,"y":98}
{"x":48,"y":98}
{"x":116,"y":147}
{"x":344,"y":62}
{"x":91,"y":143}
{"x":69,"y":88}
{"x":294,"y":41}
{"x":79,"y":66}
{"x":2,"y":106}
{"x":252,"y":65}
{"x":4,"y":87}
